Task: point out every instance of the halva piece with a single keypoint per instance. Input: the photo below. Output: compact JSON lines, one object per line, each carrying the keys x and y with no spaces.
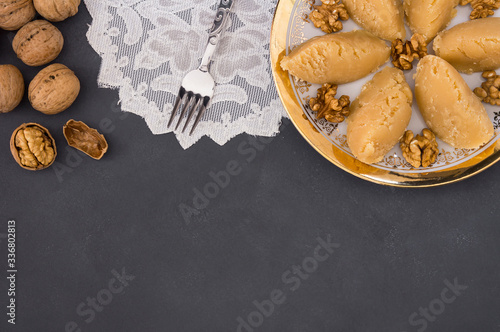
{"x":449,"y":107}
{"x":379,"y":116}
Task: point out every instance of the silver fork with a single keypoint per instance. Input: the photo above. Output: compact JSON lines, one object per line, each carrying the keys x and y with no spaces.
{"x":197,"y":88}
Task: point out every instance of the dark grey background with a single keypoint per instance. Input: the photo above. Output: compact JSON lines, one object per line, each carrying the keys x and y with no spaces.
{"x":397,"y":246}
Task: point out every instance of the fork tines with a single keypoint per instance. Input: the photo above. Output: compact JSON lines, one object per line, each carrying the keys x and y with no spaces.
{"x":191,"y":103}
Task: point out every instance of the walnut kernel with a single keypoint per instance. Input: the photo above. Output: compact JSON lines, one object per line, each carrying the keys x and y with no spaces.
{"x":328,"y":16}
{"x":403,"y":54}
{"x":53,"y":89}
{"x":56,"y":10}
{"x":38,"y":43}
{"x":11,"y":88}
{"x":327,"y":106}
{"x":420,"y":150}
{"x":481,"y":8}
{"x":16,"y":13}
{"x":85,"y":139}
{"x":33,"y":147}
{"x":489,"y":92}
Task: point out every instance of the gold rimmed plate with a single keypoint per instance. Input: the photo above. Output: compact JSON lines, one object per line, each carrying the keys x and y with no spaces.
{"x":291,"y":28}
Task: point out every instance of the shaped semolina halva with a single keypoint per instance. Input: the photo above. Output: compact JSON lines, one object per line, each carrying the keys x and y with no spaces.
{"x":428,"y":17}
{"x":383,"y":18}
{"x":337,"y":58}
{"x":379,"y":116}
{"x":449,"y":107}
{"x":471,"y":46}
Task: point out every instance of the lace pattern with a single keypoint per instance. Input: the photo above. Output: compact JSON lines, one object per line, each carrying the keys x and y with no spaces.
{"x":147,"y":46}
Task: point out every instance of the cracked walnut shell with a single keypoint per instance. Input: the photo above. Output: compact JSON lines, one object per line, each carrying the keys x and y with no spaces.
{"x":16,"y":13}
{"x":421,"y":150}
{"x":11,"y":88}
{"x":38,"y":43}
{"x":33,"y":147}
{"x":53,"y":89}
{"x":85,"y":139}
{"x":56,"y":10}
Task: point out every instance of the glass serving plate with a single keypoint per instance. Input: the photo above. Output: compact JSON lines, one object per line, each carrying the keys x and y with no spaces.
{"x":291,"y":28}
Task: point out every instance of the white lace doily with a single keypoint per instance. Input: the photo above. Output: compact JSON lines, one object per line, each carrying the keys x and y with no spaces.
{"x":147,"y":46}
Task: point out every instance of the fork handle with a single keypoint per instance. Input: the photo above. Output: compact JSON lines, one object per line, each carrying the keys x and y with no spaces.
{"x":216,"y":32}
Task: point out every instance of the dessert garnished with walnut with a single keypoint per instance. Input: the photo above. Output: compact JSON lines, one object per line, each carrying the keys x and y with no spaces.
{"x":421,"y":150}
{"x":33,"y":147}
{"x":403,"y":54}
{"x":489,"y":90}
{"x":378,"y":119}
{"x":327,"y":106}
{"x":329,"y":16}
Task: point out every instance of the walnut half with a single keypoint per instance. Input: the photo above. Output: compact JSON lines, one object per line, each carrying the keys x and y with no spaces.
{"x":420,"y":150}
{"x":328,"y":16}
{"x":489,"y":92}
{"x":33,"y":147}
{"x":85,"y":139}
{"x":481,"y":8}
{"x":327,"y":106}
{"x":403,"y":54}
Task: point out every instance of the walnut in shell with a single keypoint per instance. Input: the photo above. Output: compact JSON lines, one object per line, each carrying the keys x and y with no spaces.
{"x":56,"y":10}
{"x":85,"y":139}
{"x":16,"y":13}
{"x":33,"y":147}
{"x":11,"y":88}
{"x":53,"y":89}
{"x":38,"y":43}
